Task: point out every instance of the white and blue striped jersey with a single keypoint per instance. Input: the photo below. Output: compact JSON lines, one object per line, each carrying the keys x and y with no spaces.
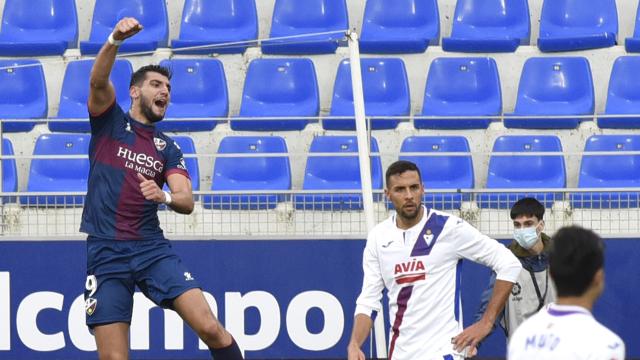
{"x":567,"y":333}
{"x":420,"y":268}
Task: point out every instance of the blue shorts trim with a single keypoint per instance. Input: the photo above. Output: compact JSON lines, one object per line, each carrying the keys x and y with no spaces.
{"x":116,"y":267}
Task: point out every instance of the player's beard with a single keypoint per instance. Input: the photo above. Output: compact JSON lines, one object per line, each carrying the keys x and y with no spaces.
{"x":409,"y":215}
{"x":147,"y":111}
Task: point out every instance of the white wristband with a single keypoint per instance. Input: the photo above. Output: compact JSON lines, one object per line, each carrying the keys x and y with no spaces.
{"x":113,"y":41}
{"x":167,"y":197}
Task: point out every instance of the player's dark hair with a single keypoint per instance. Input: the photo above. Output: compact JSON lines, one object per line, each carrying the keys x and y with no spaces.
{"x":575,"y":256}
{"x":138,"y":77}
{"x":400,"y":167}
{"x":527,"y":207}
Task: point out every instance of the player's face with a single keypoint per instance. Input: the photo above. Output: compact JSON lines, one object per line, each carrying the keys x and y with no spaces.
{"x":155,"y":94}
{"x":405,"y":191}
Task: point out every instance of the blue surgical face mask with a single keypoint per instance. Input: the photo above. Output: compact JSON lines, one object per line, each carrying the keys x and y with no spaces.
{"x":526,"y":237}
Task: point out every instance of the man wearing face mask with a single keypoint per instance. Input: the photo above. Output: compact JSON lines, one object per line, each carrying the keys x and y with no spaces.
{"x":533,"y":289}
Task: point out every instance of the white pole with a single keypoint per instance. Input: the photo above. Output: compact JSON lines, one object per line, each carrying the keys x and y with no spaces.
{"x":365,"y":168}
{"x":361,"y":129}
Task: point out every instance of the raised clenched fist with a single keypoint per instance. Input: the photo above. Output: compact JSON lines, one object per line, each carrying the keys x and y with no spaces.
{"x":126,"y":28}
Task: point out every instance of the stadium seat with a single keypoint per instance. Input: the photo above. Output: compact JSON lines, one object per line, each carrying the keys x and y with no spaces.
{"x":9,"y":172}
{"x":295,"y":18}
{"x":275,"y":88}
{"x":58,"y":175}
{"x":451,"y":172}
{"x":489,"y":26}
{"x":632,"y":44}
{"x":23,"y":94}
{"x":38,"y":27}
{"x":461,"y":87}
{"x":185,"y":143}
{"x":623,"y":97}
{"x":242,"y":174}
{"x":399,"y":26}
{"x":152,"y":14}
{"x":386,"y":93}
{"x":75,"y":92}
{"x":198,"y":90}
{"x":567,"y":25}
{"x":216,"y":22}
{"x":524,"y":171}
{"x":553,"y":86}
{"x":609,"y":171}
{"x":336,"y":173}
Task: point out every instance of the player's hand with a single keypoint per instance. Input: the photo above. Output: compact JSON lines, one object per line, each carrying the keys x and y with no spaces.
{"x":126,"y":28}
{"x":354,"y":353}
{"x":470,"y":337}
{"x":150,"y":190}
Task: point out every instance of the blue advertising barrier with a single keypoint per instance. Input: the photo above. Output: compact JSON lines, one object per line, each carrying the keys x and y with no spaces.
{"x":281,"y":299}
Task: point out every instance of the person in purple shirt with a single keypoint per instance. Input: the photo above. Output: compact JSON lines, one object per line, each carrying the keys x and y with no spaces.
{"x":130,"y":162}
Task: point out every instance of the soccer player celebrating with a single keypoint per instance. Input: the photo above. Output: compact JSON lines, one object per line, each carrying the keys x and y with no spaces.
{"x":415,"y":254}
{"x":130,"y":162}
{"x":566,"y":329}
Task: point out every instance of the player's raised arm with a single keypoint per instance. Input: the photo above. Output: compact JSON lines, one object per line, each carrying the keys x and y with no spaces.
{"x":101,"y":92}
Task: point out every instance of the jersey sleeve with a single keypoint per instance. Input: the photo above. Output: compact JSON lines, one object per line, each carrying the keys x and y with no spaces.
{"x":372,"y":283}
{"x":104,"y":120}
{"x":477,"y":247}
{"x":175,"y":161}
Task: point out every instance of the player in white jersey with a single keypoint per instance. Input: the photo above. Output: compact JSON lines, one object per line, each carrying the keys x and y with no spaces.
{"x":416,"y":256}
{"x":566,"y":329}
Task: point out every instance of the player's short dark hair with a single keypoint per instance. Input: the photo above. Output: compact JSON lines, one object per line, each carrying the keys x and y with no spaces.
{"x":527,"y":207}
{"x":575,"y":256}
{"x":138,"y":77}
{"x":400,"y":167}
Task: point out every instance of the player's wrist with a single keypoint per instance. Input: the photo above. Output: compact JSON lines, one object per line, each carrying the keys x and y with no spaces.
{"x":167,"y":198}
{"x":111,"y":40}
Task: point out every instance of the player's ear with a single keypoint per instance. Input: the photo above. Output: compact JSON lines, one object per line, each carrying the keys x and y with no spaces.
{"x":134,"y":92}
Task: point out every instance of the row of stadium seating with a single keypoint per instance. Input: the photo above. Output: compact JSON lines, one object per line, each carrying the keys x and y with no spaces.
{"x":287,"y":87}
{"x":440,"y":170}
{"x":48,"y":27}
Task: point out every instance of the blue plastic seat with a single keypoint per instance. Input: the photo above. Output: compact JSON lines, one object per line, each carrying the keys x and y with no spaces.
{"x":23,"y":94}
{"x":524,"y":171}
{"x":185,"y":143}
{"x":268,"y":173}
{"x":632,"y":44}
{"x":489,"y":26}
{"x":399,"y":26}
{"x":609,"y":171}
{"x":295,"y":17}
{"x":553,"y":86}
{"x":38,"y":27}
{"x":278,"y":87}
{"x":198,"y":90}
{"x":623,"y":96}
{"x":216,"y":22}
{"x":386,"y":93}
{"x":461,"y":87}
{"x":58,"y":175}
{"x":75,"y":92}
{"x":451,"y":172}
{"x":152,"y":15}
{"x":9,"y":172}
{"x":567,"y":25}
{"x":336,"y":173}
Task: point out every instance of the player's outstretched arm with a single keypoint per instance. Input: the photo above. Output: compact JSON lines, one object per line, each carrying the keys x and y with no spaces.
{"x":361,"y":328}
{"x":473,"y":334}
{"x":101,"y":92}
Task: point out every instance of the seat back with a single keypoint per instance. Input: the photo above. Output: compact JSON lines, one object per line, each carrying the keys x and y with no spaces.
{"x":440,"y":172}
{"x":566,"y":17}
{"x":29,"y":21}
{"x":252,"y":173}
{"x":199,"y":17}
{"x":198,"y":90}
{"x":60,"y":174}
{"x":526,"y":171}
{"x":491,"y":18}
{"x":151,"y":13}
{"x":9,"y":170}
{"x":23,"y":93}
{"x":75,"y":93}
{"x":386,"y":93}
{"x":623,"y":95}
{"x":610,"y":170}
{"x":339,"y":172}
{"x":186,"y":145}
